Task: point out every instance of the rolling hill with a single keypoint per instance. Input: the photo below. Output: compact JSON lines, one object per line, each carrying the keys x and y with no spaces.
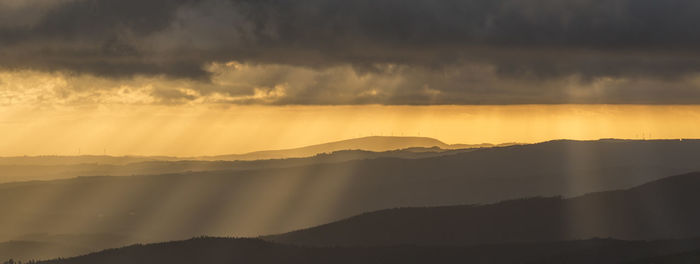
{"x":253,"y":202}
{"x":44,"y":246}
{"x":664,"y":209}
{"x":374,"y":144}
{"x":222,"y":250}
{"x":23,"y":173}
{"x":691,"y":257}
{"x":63,"y":167}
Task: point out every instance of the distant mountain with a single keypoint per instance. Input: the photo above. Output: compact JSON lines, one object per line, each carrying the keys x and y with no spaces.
{"x":30,"y":168}
{"x":254,"y":201}
{"x":250,"y":251}
{"x":52,"y":169}
{"x":375,"y":144}
{"x":370,"y":144}
{"x":665,"y":209}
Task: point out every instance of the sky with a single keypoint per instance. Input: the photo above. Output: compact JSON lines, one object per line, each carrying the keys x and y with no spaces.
{"x":200,"y":77}
{"x":208,"y":130}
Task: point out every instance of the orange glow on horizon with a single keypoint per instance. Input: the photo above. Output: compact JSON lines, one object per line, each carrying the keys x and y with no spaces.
{"x":213,"y":130}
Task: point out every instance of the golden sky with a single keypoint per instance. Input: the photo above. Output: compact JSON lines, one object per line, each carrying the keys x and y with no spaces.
{"x":224,"y":129}
{"x":217,"y":77}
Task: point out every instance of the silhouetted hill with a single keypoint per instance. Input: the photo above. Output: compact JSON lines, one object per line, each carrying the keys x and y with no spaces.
{"x":370,"y":144}
{"x":44,"y":246}
{"x":51,"y":168}
{"x":224,"y":251}
{"x":375,"y":144}
{"x":663,"y":209}
{"x":31,"y":168}
{"x":28,"y":250}
{"x":265,"y":201}
{"x":692,"y":257}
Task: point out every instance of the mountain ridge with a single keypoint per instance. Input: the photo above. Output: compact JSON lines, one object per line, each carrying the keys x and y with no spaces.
{"x":663,"y":209}
{"x":277,"y":200}
{"x":253,"y":251}
{"x":338,"y":190}
{"x":371,"y":143}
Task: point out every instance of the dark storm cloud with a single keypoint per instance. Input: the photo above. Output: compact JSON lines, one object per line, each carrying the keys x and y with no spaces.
{"x":537,"y":42}
{"x":95,"y":36}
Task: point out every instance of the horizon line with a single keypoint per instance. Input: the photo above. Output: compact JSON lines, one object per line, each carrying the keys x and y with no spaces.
{"x":494,"y":145}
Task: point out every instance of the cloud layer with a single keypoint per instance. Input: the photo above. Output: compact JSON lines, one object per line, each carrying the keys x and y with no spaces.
{"x":359,"y":52}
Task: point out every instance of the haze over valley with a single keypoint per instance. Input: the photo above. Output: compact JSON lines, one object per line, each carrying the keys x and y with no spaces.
{"x":73,"y":216}
{"x":335,"y":131}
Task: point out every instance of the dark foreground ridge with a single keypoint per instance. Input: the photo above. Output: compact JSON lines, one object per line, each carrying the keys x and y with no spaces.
{"x":252,"y":251}
{"x":691,"y":257}
{"x":664,"y":209}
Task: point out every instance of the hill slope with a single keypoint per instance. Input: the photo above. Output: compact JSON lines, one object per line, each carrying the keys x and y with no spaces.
{"x":659,"y":210}
{"x":266,"y":201}
{"x":221,"y":251}
{"x":691,"y":257}
{"x":52,"y":168}
{"x":375,"y":143}
{"x":31,"y":168}
{"x":44,"y":246}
